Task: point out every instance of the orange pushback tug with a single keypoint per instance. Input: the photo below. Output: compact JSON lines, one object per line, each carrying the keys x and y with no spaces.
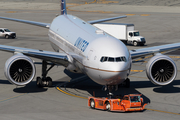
{"x":131,"y":102}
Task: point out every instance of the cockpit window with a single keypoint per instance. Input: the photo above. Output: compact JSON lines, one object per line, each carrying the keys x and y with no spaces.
{"x":113,"y":59}
{"x":123,"y":59}
{"x":118,"y":59}
{"x":103,"y":59}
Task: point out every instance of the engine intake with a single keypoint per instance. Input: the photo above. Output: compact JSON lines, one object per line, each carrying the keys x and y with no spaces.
{"x":161,"y":70}
{"x":19,"y":69}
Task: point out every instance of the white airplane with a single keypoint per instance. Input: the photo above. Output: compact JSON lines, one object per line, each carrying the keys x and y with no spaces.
{"x":82,"y":48}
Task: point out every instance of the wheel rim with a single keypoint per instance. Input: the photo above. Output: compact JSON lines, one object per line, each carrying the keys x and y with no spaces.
{"x":108,"y":106}
{"x":49,"y":81}
{"x":135,"y":43}
{"x":92,"y":103}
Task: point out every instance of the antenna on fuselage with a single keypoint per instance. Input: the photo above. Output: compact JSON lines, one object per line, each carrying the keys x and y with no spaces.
{"x":63,"y":7}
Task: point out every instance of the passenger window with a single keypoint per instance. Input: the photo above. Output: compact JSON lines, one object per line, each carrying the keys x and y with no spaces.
{"x":118,"y":59}
{"x":111,"y":59}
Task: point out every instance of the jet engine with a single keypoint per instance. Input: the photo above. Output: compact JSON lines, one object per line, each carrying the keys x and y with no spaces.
{"x":19,"y":69}
{"x":161,"y":70}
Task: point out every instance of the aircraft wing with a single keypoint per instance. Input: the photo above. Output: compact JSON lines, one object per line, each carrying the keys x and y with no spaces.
{"x":106,"y":19}
{"x":153,"y":50}
{"x":54,"y":57}
{"x":40,"y":24}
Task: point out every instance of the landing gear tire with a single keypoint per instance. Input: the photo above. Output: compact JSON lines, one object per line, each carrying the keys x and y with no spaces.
{"x":44,"y":81}
{"x":39,"y":82}
{"x":47,"y":82}
{"x":92,"y":104}
{"x":108,"y":106}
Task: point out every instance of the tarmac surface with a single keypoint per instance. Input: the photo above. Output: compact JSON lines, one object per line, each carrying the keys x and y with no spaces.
{"x":67,"y":99}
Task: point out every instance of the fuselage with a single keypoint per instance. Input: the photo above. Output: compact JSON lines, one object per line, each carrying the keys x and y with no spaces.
{"x":105,"y":59}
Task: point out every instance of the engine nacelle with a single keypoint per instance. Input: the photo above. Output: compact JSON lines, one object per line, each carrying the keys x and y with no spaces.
{"x":19,"y":69}
{"x":161,"y":70}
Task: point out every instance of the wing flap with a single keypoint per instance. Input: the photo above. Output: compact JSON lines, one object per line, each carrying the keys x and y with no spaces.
{"x":55,"y":57}
{"x":40,"y":24}
{"x":152,"y":50}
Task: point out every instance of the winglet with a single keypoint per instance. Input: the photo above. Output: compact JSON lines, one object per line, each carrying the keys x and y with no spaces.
{"x":63,"y":7}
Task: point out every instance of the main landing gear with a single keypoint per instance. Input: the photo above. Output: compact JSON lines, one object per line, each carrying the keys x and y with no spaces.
{"x":44,"y":81}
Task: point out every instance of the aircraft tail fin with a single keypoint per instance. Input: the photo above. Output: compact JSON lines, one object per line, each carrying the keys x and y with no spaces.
{"x":63,"y":7}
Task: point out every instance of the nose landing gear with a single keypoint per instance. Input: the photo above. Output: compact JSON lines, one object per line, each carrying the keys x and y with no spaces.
{"x":126,"y":84}
{"x":110,"y":94}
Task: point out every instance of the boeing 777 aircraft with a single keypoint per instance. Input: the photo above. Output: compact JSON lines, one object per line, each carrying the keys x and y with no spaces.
{"x":82,"y":48}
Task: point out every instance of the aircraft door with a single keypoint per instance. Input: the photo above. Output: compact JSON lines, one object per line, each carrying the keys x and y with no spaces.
{"x":92,"y":58}
{"x":90,"y":54}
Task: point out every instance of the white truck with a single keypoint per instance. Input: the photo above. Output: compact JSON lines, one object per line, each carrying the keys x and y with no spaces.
{"x":123,"y":31}
{"x":4,"y":32}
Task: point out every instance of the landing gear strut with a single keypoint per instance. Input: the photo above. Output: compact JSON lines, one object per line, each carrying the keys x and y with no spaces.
{"x":110,"y":88}
{"x":127,"y":83}
{"x":44,"y":81}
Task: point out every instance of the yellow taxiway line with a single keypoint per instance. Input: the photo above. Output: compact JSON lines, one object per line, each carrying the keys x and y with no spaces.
{"x":12,"y":97}
{"x":163,"y":111}
{"x":136,"y":70}
{"x":70,"y":94}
